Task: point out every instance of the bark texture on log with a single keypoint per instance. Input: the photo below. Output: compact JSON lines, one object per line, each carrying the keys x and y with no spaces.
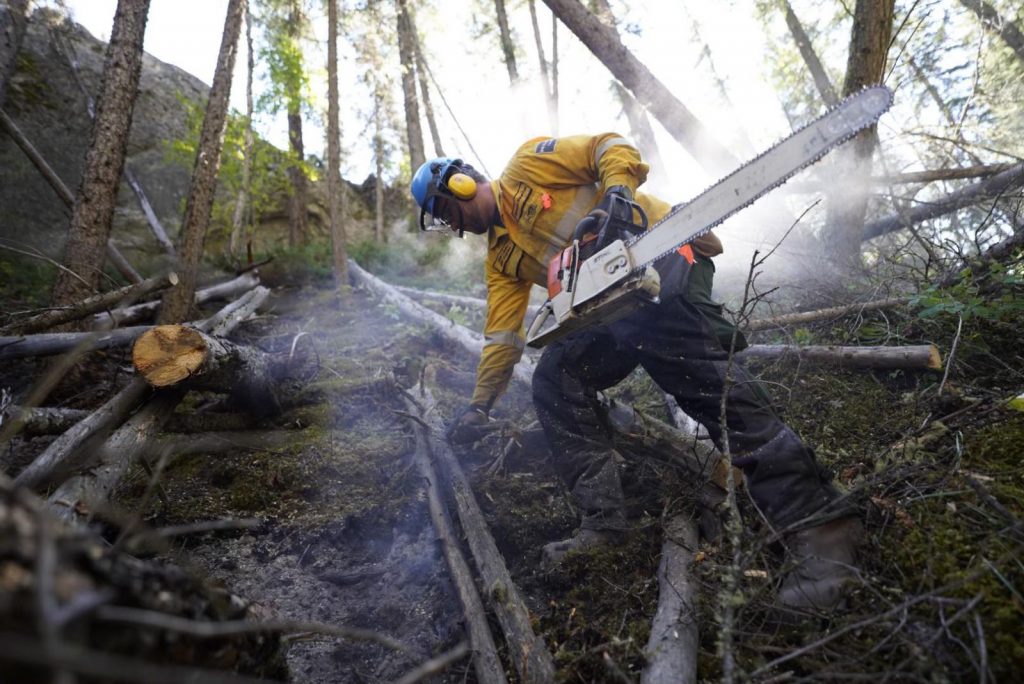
{"x":93,"y":214}
{"x":921,"y":356}
{"x":486,"y":663}
{"x":41,"y":421}
{"x":90,"y":305}
{"x":823,"y":314}
{"x":50,"y":344}
{"x":673,"y":645}
{"x":528,"y":652}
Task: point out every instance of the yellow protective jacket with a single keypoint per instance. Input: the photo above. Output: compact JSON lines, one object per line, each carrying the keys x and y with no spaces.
{"x":547,"y":187}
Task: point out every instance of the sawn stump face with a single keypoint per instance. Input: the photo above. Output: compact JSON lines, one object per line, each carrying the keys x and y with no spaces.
{"x":168,"y":354}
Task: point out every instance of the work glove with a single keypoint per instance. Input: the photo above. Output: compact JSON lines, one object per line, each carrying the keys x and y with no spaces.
{"x":618,"y":210}
{"x":470,"y":425}
{"x":591,"y":223}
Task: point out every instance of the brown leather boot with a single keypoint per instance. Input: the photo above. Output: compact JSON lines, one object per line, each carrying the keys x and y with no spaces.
{"x":582,"y":539}
{"x":823,"y":555}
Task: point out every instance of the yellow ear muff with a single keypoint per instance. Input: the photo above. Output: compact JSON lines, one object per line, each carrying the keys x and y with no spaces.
{"x":462,"y":186}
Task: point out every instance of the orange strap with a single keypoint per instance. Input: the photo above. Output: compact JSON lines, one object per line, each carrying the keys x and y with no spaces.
{"x":686,"y":251}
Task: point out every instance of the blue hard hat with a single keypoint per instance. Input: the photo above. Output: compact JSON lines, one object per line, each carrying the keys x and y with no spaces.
{"x":431,"y":180}
{"x":428,"y":181}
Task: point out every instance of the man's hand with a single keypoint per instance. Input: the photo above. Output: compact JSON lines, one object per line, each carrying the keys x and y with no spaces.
{"x":619,"y":210}
{"x":470,"y":425}
{"x":591,"y":223}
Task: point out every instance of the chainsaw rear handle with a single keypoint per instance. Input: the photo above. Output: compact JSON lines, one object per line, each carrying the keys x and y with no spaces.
{"x":608,"y":228}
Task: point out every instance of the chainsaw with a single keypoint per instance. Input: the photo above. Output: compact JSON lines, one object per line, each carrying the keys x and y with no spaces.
{"x":607,"y":271}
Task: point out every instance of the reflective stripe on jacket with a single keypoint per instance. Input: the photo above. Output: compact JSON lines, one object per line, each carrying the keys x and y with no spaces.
{"x":547,"y":187}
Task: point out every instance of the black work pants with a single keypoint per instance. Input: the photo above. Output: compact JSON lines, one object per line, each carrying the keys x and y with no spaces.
{"x":680,"y":348}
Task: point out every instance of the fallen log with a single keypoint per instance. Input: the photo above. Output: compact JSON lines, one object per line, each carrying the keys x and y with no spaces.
{"x":528,"y":652}
{"x":486,"y":663}
{"x":823,"y":314}
{"x":77,"y":497}
{"x":42,"y":421}
{"x":180,"y":356}
{"x":50,"y":344}
{"x":471,"y":341}
{"x":990,"y":188}
{"x":448,"y":298}
{"x":63,"y":454}
{"x":90,"y":305}
{"x":672,"y":647}
{"x":59,"y":458}
{"x":919,"y":356}
{"x":146,"y":310}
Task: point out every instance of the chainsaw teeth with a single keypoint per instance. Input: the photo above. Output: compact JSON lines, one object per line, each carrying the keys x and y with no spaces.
{"x":874,"y":100}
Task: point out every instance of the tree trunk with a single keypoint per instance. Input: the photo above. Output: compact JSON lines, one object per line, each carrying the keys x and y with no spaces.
{"x":179,"y":356}
{"x":604,"y":43}
{"x":141,"y":312}
{"x":339,"y":249}
{"x":244,"y":200}
{"x":993,"y":188}
{"x":674,"y":641}
{"x":529,"y":655}
{"x":378,"y":163}
{"x":297,"y":200}
{"x":847,"y":206}
{"x":990,"y":19}
{"x":204,"y":174}
{"x":640,"y":127}
{"x":93,"y":214}
{"x":508,"y":49}
{"x":810,"y":57}
{"x":407,"y":56}
{"x":13,"y":22}
{"x":421,"y":74}
{"x":90,"y":305}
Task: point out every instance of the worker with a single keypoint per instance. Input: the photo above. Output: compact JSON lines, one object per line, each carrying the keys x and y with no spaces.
{"x":529,"y":215}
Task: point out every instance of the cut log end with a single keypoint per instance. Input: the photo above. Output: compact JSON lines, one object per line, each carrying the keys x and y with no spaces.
{"x":167,"y":354}
{"x":935,"y":359}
